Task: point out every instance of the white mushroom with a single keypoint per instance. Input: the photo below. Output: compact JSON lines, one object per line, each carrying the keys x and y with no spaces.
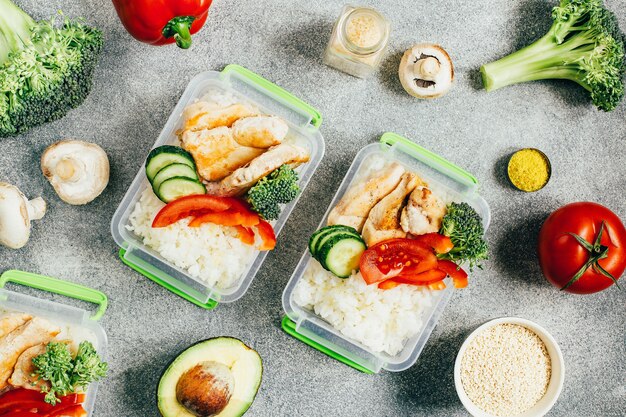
{"x":16,"y":213}
{"x":426,"y":71}
{"x":78,"y":171}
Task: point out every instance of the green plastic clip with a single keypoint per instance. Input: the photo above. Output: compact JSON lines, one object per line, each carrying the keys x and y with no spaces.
{"x":426,"y":156}
{"x":289,"y":326}
{"x":209,"y":305}
{"x":316,"y":117}
{"x":57,"y":286}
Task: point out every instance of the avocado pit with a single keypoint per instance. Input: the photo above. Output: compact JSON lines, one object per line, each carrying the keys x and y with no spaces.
{"x":205,"y":389}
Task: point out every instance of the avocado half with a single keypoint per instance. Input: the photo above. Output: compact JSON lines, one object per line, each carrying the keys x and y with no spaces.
{"x":244,"y":362}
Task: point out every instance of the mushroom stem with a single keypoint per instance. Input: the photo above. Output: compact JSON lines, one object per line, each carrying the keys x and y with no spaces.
{"x":428,"y":68}
{"x":36,"y":208}
{"x":69,"y":169}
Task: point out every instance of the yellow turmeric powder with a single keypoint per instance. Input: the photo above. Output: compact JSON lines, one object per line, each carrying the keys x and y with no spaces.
{"x":529,"y":169}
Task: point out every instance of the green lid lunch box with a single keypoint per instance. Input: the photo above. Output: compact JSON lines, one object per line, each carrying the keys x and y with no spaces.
{"x":304,"y":122}
{"x":306,"y":326}
{"x":82,"y":324}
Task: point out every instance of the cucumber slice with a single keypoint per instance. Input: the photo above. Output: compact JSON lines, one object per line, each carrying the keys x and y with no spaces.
{"x":166,"y":155}
{"x":315,"y":237}
{"x":177,"y":187}
{"x":171,"y":171}
{"x":333,"y":232}
{"x":341,"y":254}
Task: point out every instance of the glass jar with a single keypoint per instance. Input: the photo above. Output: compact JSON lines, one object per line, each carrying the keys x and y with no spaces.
{"x":358,"y":41}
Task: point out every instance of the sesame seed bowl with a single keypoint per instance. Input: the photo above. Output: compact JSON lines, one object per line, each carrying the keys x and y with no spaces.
{"x":509,"y":367}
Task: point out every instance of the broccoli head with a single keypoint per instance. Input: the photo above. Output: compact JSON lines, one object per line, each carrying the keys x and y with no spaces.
{"x":45,"y":69}
{"x":465,"y":228}
{"x":584,"y":45}
{"x":279,"y":187}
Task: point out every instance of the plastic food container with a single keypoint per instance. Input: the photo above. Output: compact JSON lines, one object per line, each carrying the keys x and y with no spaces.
{"x":556,"y":379}
{"x":78,"y":320}
{"x":304,"y":122}
{"x":306,"y":326}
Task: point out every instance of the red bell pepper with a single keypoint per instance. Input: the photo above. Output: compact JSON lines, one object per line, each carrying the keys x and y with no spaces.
{"x":266,"y":231}
{"x":71,"y":411}
{"x":458,"y":275}
{"x":245,"y":234}
{"x":21,"y":400}
{"x":159,"y":22}
{"x":192,"y":205}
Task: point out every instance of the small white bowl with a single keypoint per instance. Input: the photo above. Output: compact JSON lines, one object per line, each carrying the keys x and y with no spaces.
{"x":556,"y":380}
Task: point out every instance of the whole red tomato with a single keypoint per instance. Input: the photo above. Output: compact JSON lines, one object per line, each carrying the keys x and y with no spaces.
{"x":582,"y":248}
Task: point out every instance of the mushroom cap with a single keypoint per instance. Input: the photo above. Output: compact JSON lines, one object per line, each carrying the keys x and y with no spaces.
{"x":14,"y":218}
{"x":78,"y":170}
{"x":437,"y":81}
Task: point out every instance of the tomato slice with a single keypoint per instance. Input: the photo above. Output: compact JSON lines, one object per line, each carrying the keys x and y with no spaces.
{"x":245,"y":234}
{"x":439,"y":242}
{"x":393,"y":257}
{"x":458,"y":275}
{"x":266,"y":231}
{"x":192,"y":205}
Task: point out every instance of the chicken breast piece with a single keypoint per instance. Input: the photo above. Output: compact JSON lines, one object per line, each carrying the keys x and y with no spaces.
{"x":22,"y":376}
{"x":423,"y":213}
{"x":355,"y":205}
{"x":216,"y":152}
{"x":205,"y":115}
{"x":245,"y":177}
{"x":31,"y":333}
{"x":260,"y":131}
{"x":12,"y":321}
{"x":383,"y":221}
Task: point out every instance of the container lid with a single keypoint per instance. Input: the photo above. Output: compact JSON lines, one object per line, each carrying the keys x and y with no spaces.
{"x":316,"y":332}
{"x":55,"y":311}
{"x":304,"y":122}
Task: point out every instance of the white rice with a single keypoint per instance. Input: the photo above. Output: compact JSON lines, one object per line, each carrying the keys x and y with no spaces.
{"x":382,"y":320}
{"x":211,"y":253}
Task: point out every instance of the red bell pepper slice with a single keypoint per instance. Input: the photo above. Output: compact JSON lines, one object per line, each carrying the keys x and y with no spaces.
{"x":192,"y":205}
{"x":423,"y":278}
{"x":223,"y":218}
{"x":458,"y":275}
{"x":159,"y":22}
{"x":439,"y":242}
{"x":266,"y":231}
{"x":387,"y":285}
{"x":20,"y":413}
{"x":71,"y":411}
{"x":245,"y":234}
{"x":26,"y":400}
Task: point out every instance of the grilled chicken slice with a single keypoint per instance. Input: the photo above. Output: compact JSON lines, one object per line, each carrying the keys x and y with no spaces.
{"x":32,"y":333}
{"x":12,"y":321}
{"x":22,"y":376}
{"x":245,"y":177}
{"x":357,"y":202}
{"x":260,"y":131}
{"x":383,"y":221}
{"x":216,"y":152}
{"x":205,"y":115}
{"x":423,"y":213}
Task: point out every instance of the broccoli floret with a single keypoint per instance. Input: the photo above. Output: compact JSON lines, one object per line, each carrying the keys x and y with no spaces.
{"x":45,"y":70}
{"x":465,"y":228}
{"x":279,"y":187}
{"x":584,"y":45}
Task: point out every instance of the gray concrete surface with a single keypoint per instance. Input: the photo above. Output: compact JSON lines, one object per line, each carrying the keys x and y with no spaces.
{"x":136,"y":87}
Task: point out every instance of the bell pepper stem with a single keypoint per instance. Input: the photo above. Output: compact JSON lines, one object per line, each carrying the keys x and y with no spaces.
{"x":179,"y":28}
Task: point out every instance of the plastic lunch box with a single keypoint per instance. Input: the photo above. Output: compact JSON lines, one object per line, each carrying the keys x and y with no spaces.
{"x":304,"y":122}
{"x":61,"y":314}
{"x":311,"y":329}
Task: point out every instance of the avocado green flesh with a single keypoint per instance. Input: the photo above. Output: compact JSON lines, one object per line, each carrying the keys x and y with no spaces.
{"x":244,"y":363}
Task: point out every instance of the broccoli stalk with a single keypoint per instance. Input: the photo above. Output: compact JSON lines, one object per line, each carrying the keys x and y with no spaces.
{"x":279,"y":187}
{"x":465,"y":228}
{"x":45,"y":70}
{"x":583,"y":45}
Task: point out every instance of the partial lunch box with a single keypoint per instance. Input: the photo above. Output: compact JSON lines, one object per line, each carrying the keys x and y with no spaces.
{"x":81,"y":322}
{"x":304,"y":122}
{"x":306,"y":326}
